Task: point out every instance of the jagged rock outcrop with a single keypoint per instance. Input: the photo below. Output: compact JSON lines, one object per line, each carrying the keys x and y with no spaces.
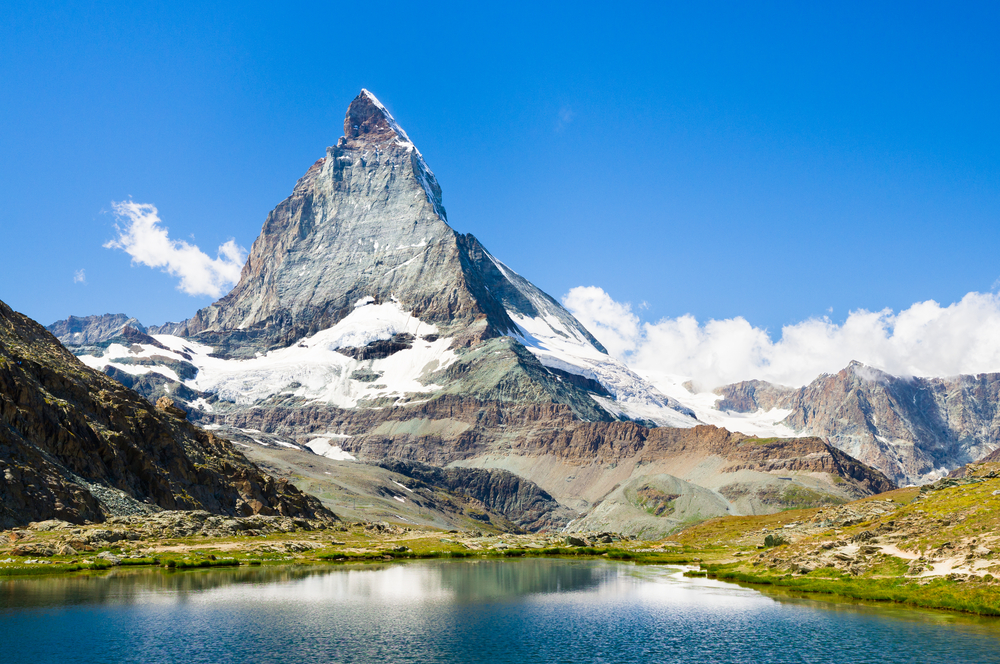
{"x":90,"y":330}
{"x":912,"y":429}
{"x":76,"y":445}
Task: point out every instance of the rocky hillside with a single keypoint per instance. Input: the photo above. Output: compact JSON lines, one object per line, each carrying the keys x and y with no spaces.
{"x":76,"y":445}
{"x":912,"y":429}
{"x":583,"y":464}
{"x":933,"y":546}
{"x":519,"y":500}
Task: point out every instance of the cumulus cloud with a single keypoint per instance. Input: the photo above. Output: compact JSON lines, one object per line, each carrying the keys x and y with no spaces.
{"x":80,"y":277}
{"x":140,"y":235}
{"x":926,"y":339}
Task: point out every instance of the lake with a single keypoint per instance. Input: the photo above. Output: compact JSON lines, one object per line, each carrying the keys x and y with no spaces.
{"x":524,"y":611}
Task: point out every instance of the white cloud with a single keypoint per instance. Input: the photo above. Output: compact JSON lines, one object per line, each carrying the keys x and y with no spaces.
{"x":613,"y":324}
{"x":924,"y":340}
{"x":80,"y":277}
{"x":141,"y":236}
{"x":566,"y":116}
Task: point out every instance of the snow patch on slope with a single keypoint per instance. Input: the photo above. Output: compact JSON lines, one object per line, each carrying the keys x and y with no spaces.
{"x":559,"y":342}
{"x":312,"y":368}
{"x":134,"y":352}
{"x":763,"y":423}
{"x":561,"y":347}
{"x":325,"y":448}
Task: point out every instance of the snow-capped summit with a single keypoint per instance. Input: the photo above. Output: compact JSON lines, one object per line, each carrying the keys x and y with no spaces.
{"x":363,"y":242}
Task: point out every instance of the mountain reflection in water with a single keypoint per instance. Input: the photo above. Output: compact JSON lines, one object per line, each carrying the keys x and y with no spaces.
{"x":532,"y":610}
{"x":475,"y":581}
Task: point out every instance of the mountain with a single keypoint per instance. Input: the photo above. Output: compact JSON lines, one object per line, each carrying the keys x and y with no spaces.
{"x":78,"y":446}
{"x":360,"y":254}
{"x":364,"y":328}
{"x":88,"y":330}
{"x":914,"y":430}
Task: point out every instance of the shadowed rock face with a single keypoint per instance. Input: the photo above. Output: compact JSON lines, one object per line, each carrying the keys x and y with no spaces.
{"x":77,"y":445}
{"x":519,"y":500}
{"x":912,"y":429}
{"x":578,"y":463}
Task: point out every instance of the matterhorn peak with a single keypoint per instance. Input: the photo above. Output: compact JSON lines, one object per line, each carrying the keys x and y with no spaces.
{"x":368,"y":120}
{"x":365,"y":226}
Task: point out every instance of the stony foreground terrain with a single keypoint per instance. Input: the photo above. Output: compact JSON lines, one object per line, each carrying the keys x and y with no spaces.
{"x":936,"y":545}
{"x":78,"y":446}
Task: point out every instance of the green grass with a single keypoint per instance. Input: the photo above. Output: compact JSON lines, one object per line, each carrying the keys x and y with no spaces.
{"x":130,"y":562}
{"x":759,"y":441}
{"x":195,"y":564}
{"x":55,"y":568}
{"x":34,"y":570}
{"x":969,"y":597}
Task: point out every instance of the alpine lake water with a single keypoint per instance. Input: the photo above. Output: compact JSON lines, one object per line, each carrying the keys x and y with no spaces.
{"x":531,"y":610}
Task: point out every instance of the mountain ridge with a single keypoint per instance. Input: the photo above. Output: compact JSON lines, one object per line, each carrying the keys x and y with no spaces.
{"x":914,"y":429}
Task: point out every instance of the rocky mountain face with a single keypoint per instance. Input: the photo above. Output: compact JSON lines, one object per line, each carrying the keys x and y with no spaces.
{"x":912,"y":429}
{"x":78,"y":446}
{"x":366,"y":221}
{"x":583,"y":464}
{"x":90,"y":330}
{"x":360,"y":261}
{"x":519,"y":500}
{"x":365,"y":329}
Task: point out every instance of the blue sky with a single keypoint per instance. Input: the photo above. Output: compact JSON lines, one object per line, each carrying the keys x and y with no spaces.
{"x":775,"y":161}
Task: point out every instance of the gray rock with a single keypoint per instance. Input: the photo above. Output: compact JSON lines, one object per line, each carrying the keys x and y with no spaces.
{"x":50,"y":525}
{"x":89,"y":330}
{"x":935,"y":422}
{"x":774,"y":540}
{"x":107,"y":556}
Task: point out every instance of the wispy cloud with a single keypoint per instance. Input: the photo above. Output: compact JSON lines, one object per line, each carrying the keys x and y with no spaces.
{"x":140,"y":235}
{"x":80,"y":277}
{"x":926,"y":339}
{"x":566,"y":116}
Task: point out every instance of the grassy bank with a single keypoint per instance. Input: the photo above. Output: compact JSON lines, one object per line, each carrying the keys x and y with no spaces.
{"x":186,"y":562}
{"x":980,"y":598}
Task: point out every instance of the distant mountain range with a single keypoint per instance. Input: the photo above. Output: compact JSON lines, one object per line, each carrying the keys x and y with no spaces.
{"x":914,"y":430}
